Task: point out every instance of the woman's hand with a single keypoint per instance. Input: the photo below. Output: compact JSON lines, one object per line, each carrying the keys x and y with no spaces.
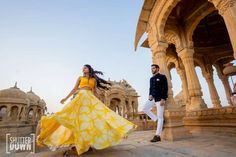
{"x":63,"y":100}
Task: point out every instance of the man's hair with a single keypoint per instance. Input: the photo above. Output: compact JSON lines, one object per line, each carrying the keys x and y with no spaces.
{"x":155,"y":65}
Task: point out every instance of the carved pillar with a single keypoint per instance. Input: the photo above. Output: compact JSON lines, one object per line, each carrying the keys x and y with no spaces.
{"x":183,"y":78}
{"x":125,"y":110}
{"x":159,"y":57}
{"x":121,"y":107}
{"x":19,"y":112}
{"x":129,"y":111}
{"x":215,"y":99}
{"x":120,"y":110}
{"x":227,"y":88}
{"x":227,"y":9}
{"x":225,"y":82}
{"x":195,"y":93}
{"x":34,"y":114}
{"x":23,"y":114}
{"x":8,"y":113}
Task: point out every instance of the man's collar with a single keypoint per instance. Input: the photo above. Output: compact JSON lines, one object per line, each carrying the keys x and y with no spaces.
{"x":156,"y":74}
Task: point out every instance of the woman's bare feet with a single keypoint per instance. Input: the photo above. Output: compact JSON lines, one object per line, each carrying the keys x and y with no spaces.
{"x":69,"y":152}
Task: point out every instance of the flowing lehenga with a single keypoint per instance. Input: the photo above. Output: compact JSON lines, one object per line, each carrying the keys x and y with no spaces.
{"x":84,"y":122}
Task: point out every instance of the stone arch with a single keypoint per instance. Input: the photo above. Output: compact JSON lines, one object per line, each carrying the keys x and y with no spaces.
{"x":166,"y":8}
{"x":38,"y":114}
{"x":3,"y":113}
{"x":30,"y":114}
{"x":181,"y":98}
{"x":14,"y":113}
{"x":224,"y":57}
{"x":195,"y":20}
{"x":117,"y":95}
{"x":199,"y":63}
{"x":173,"y":38}
{"x":115,"y":105}
{"x":134,"y":106}
{"x":172,"y":60}
{"x":127,"y":109}
{"x":21,"y":112}
{"x":118,"y":92}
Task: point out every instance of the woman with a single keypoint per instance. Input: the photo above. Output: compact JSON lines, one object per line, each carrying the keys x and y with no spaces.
{"x":85,"y":121}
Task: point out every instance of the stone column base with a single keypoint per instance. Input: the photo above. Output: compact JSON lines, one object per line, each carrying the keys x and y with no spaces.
{"x":174,"y":128}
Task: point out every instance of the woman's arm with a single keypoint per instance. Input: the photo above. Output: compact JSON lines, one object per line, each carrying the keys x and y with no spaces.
{"x":95,"y":89}
{"x":72,"y":92}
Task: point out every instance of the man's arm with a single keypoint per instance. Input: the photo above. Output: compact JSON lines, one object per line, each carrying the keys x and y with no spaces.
{"x":150,"y":91}
{"x":164,"y":94}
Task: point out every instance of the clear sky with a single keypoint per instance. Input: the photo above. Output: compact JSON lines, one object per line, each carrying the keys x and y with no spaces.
{"x":44,"y":44}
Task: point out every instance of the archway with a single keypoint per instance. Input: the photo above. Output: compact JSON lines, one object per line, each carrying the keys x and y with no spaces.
{"x":220,"y":87}
{"x":3,"y":113}
{"x":115,"y":105}
{"x":14,"y":113}
{"x":38,"y":114}
{"x":204,"y":87}
{"x":177,"y":77}
{"x":127,"y":109}
{"x":30,"y":114}
{"x":212,"y":46}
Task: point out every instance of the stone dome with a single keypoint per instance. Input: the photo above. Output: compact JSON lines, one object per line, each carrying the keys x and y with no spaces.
{"x":131,"y":89}
{"x":13,"y":93}
{"x":42,"y":102}
{"x":116,"y":86}
{"x":33,"y":97}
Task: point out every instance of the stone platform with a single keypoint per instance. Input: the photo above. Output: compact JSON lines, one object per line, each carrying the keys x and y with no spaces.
{"x":138,"y":145}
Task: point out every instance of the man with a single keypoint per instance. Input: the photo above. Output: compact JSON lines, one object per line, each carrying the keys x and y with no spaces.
{"x":233,"y":97}
{"x":157,"y":96}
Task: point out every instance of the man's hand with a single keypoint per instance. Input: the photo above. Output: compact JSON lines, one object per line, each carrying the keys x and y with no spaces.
{"x":150,"y":97}
{"x":162,"y":102}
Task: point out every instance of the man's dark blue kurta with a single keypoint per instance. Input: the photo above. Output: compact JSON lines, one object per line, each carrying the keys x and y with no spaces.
{"x":158,"y":87}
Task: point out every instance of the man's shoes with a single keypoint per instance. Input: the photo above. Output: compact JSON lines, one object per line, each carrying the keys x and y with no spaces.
{"x":156,"y":138}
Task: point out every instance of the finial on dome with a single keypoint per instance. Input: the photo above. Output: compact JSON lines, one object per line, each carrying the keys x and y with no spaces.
{"x":15,"y":86}
{"x":31,"y":90}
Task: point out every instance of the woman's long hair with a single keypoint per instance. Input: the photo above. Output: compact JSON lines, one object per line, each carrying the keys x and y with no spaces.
{"x":101,"y":83}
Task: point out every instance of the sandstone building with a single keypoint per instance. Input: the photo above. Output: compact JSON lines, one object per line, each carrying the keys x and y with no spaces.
{"x":183,"y":34}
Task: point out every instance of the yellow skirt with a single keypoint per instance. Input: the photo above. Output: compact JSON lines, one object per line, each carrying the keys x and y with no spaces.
{"x":84,"y":122}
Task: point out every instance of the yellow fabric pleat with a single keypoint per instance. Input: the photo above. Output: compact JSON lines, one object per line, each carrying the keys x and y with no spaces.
{"x":85,"y":121}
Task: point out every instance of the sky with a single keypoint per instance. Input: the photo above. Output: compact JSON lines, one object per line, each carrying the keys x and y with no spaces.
{"x":44,"y":45}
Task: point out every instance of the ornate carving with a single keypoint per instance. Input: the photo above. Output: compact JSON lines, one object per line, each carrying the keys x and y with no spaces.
{"x":186,"y":54}
{"x":211,"y":112}
{"x":223,"y":5}
{"x":152,"y":35}
{"x":171,"y":38}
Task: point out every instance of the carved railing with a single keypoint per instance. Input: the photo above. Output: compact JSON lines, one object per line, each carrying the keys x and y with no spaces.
{"x":212,"y":120}
{"x":224,"y":116}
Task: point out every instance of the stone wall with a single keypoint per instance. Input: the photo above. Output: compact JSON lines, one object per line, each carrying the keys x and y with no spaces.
{"x":212,"y":120}
{"x":16,"y":130}
{"x":144,"y":124}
